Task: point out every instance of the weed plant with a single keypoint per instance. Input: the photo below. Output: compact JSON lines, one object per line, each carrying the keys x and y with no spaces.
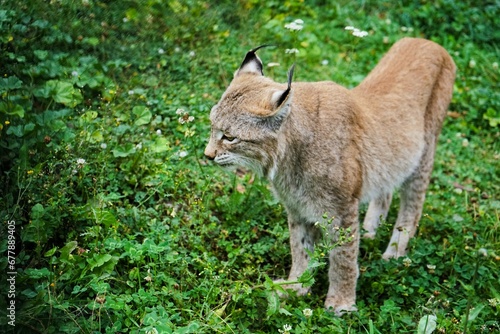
{"x":122,"y":226}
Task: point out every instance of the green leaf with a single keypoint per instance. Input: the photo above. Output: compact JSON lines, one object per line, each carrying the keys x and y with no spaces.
{"x":273,"y":302}
{"x":61,"y":92}
{"x":10,"y":83}
{"x":125,"y":151}
{"x":12,"y":109}
{"x":50,"y":252}
{"x":143,"y":115}
{"x":68,"y":249}
{"x":427,"y":324}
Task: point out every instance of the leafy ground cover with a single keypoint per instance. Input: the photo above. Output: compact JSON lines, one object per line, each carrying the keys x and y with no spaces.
{"x":120,"y":223}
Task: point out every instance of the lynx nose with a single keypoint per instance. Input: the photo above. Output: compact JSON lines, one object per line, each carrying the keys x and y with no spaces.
{"x":210,"y":154}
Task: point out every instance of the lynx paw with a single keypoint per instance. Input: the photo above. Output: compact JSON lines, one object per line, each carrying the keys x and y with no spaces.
{"x":339,"y":309}
{"x":300,"y":291}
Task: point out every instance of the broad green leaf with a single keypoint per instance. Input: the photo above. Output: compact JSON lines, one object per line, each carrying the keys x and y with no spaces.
{"x":10,"y":108}
{"x":427,"y":324}
{"x":143,"y":115}
{"x":68,"y":249}
{"x":10,"y":83}
{"x":159,"y":145}
{"x":123,"y":151}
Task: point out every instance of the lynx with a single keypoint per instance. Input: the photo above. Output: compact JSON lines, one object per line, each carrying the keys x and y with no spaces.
{"x":326,"y":149}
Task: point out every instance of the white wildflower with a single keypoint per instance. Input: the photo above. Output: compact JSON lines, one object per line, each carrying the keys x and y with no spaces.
{"x":286,"y":329}
{"x":180,"y":111}
{"x":472,"y":63}
{"x":80,"y":161}
{"x":324,"y":62}
{"x":359,"y":33}
{"x":125,"y":19}
{"x":349,"y":28}
{"x":431,"y":268}
{"x":291,"y":50}
{"x":104,"y":146}
{"x":483,"y":252}
{"x":307,"y":312}
{"x":158,"y":132}
{"x":74,"y":73}
{"x":177,"y":49}
{"x":131,"y":92}
{"x":494,"y":302}
{"x":138,"y":146}
{"x":296,"y":25}
{"x":407,"y":262}
{"x":191,"y":54}
{"x":495,"y":65}
{"x":161,"y":51}
{"x":273,"y":64}
{"x":183,"y":154}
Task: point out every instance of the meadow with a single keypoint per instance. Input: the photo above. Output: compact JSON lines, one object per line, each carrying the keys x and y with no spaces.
{"x":113,"y":221}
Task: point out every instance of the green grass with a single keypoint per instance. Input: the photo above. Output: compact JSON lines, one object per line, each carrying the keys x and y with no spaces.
{"x":145,"y":235}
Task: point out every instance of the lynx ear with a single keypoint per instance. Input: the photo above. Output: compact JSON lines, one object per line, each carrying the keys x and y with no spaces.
{"x":252,"y":63}
{"x":280,"y":97}
{"x":281,"y":102}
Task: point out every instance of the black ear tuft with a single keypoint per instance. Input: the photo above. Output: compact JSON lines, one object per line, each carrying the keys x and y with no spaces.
{"x":284,"y":96}
{"x":252,"y":63}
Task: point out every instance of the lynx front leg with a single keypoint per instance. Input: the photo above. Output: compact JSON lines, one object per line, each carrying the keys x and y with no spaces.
{"x":343,"y":272}
{"x":302,"y":238}
{"x":411,"y":204}
{"x":378,"y":209}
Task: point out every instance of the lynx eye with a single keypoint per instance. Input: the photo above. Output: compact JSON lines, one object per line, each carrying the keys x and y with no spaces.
{"x":229,"y":138}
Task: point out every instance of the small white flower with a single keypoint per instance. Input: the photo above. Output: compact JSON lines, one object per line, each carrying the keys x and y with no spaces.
{"x":359,"y":33}
{"x":74,"y":73}
{"x":158,"y":132}
{"x":191,"y":54}
{"x":404,"y":29}
{"x":324,"y":62}
{"x":180,"y":111}
{"x":287,"y":327}
{"x":431,"y":268}
{"x":472,"y":63}
{"x":307,"y":312}
{"x":465,"y":142}
{"x":388,"y":21}
{"x":296,"y":25}
{"x":494,"y":302}
{"x":349,"y":28}
{"x":80,"y":161}
{"x":177,"y":49}
{"x":125,"y":19}
{"x":138,"y":146}
{"x":407,"y":262}
{"x":483,"y":252}
{"x":131,"y":92}
{"x":190,"y":119}
{"x":495,"y":65}
{"x":291,"y":50}
{"x":273,"y":64}
{"x":104,"y":146}
{"x":183,"y":154}
{"x":161,"y":51}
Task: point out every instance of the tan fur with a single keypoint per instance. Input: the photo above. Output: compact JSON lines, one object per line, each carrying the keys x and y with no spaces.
{"x":325,"y":149}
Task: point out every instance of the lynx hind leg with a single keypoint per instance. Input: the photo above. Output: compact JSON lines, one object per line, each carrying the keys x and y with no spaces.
{"x":377,"y":210}
{"x":411,"y":203}
{"x":302,"y":238}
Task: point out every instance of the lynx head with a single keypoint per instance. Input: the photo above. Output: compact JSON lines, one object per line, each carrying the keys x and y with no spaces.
{"x":247,"y":119}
